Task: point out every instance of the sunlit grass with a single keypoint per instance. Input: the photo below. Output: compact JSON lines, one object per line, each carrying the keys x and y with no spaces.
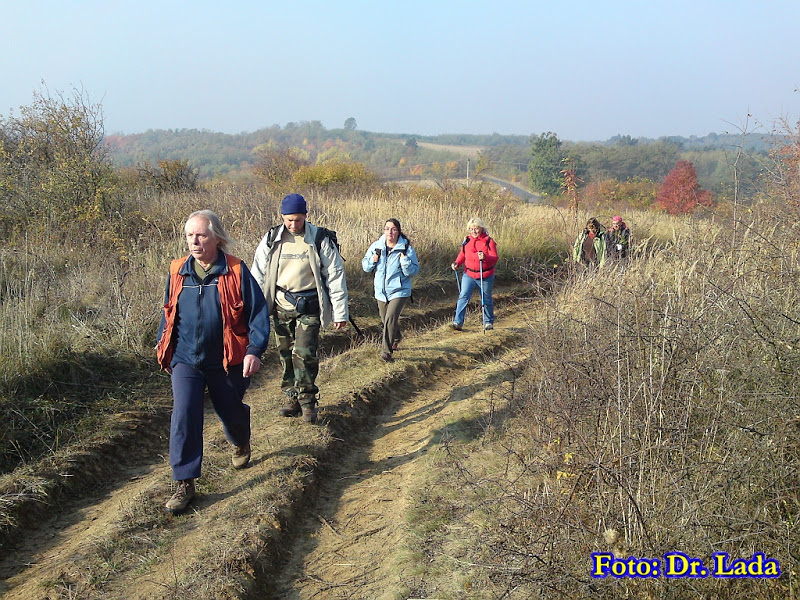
{"x":660,"y":404}
{"x":64,"y":302}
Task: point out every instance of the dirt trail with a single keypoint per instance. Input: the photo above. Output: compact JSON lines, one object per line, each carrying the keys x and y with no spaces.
{"x":381,"y":421}
{"x":352,"y":542}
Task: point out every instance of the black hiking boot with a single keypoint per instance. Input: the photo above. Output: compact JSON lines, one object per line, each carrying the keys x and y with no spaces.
{"x":292,"y":409}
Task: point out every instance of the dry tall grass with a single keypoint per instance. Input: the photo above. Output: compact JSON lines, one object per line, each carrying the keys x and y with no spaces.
{"x":660,"y":414}
{"x":79,"y":311}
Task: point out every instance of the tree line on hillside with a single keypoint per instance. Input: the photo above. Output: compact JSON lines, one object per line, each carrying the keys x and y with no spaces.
{"x":58,"y":167}
{"x":398,"y":156}
{"x":233,"y":156}
{"x":632,"y":172}
{"x":42,"y":156}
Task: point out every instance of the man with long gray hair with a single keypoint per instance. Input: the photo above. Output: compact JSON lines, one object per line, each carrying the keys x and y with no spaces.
{"x":214,"y":329}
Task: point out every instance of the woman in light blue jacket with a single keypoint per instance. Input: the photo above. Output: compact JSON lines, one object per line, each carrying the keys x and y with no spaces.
{"x":394,"y":262}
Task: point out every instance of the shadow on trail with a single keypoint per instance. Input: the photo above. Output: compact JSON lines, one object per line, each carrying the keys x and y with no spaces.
{"x":372,"y":415}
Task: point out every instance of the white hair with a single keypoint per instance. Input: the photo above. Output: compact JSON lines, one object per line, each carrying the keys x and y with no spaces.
{"x":476,"y":222}
{"x":214,"y":226}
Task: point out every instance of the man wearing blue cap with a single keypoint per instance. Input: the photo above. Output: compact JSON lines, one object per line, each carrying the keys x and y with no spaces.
{"x":302,"y":275}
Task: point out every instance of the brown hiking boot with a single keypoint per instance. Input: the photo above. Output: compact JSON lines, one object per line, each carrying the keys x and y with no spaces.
{"x":292,"y":409}
{"x":310,"y":414}
{"x":241,"y":456}
{"x":181,"y":498}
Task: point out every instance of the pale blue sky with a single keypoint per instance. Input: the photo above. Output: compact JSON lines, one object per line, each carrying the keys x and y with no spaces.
{"x":584,"y":70}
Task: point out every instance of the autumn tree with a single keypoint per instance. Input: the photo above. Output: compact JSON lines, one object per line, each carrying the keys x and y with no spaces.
{"x":276,"y":167}
{"x":544,"y":168}
{"x":636,"y":192}
{"x":170,"y":176}
{"x":53,"y":164}
{"x":783,"y":168}
{"x":334,"y":172}
{"x":350,"y":124}
{"x":442,"y":173}
{"x":680,"y":193}
{"x":483,"y":165}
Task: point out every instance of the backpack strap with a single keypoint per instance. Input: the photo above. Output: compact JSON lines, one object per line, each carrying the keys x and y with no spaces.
{"x":273,"y":231}
{"x":324,"y":232}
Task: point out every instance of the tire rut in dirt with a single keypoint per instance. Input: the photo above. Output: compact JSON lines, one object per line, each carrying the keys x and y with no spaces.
{"x":349,"y":418}
{"x":351,"y":465}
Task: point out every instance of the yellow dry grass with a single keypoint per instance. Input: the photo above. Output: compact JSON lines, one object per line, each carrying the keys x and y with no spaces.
{"x":468,"y":151}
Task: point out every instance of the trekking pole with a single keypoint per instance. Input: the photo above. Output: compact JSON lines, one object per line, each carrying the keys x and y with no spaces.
{"x":358,"y":331}
{"x":458,"y":281}
{"x":480,"y":263}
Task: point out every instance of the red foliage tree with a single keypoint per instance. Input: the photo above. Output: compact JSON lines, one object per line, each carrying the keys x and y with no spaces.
{"x":680,"y":193}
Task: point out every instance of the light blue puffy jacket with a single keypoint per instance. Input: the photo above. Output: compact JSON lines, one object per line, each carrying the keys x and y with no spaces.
{"x":394,"y":270}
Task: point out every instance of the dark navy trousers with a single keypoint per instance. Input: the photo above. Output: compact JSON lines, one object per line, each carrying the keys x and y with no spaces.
{"x":226,"y":391}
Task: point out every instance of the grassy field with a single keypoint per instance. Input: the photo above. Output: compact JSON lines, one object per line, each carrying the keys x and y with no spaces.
{"x":658,"y":414}
{"x":657,"y":410}
{"x":468,"y":151}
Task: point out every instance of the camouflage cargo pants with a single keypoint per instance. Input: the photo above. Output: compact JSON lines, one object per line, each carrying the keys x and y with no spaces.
{"x":297,"y":337}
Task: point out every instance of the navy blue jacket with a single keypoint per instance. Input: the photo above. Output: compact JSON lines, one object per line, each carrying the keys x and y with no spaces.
{"x":198,"y":323}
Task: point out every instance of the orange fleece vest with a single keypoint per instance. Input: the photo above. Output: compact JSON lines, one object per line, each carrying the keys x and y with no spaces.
{"x":234,"y":329}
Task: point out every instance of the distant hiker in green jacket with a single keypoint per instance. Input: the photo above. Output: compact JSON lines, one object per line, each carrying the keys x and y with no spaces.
{"x":618,"y":239}
{"x":590,"y":245}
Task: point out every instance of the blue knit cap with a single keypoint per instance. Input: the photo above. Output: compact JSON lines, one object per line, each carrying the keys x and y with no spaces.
{"x":293,"y":204}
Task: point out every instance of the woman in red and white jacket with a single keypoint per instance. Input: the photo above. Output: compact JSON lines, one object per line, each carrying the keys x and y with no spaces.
{"x":479,"y":256}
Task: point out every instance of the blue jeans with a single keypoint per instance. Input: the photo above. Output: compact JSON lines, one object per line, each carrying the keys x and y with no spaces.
{"x":468,"y":285}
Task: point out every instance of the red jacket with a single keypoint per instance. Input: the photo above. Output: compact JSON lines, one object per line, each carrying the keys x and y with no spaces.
{"x":468,"y":256}
{"x":234,"y":327}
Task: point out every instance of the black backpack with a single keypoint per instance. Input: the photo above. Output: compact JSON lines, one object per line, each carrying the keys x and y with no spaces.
{"x":324,"y":232}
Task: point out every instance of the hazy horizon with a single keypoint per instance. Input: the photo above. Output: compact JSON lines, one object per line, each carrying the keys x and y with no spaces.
{"x":404,"y":133}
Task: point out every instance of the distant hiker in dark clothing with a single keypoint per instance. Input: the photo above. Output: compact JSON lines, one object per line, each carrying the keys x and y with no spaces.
{"x":394,"y":261}
{"x":299,"y":267}
{"x":214,"y":328}
{"x":590,"y":245}
{"x":618,"y":239}
{"x":478,"y":254}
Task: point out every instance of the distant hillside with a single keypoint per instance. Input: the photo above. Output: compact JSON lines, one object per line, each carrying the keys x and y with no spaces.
{"x":233,"y":156}
{"x":217,"y":154}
